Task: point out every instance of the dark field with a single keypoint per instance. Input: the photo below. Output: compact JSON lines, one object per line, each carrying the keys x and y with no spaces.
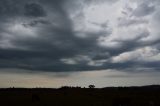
{"x":72,"y":96}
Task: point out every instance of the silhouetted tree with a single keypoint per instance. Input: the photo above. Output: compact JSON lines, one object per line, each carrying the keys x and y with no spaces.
{"x":65,"y":87}
{"x":91,"y":86}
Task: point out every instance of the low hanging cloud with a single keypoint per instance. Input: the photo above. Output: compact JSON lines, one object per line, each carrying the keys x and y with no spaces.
{"x":142,"y":54}
{"x":82,"y":35}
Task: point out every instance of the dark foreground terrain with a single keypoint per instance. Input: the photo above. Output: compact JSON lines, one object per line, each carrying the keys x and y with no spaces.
{"x":72,"y":96}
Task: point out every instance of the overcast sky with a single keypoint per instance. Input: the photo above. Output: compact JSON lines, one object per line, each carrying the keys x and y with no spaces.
{"x":78,"y":42}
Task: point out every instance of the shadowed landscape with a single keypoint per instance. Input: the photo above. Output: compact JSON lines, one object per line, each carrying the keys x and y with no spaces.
{"x":77,"y":96}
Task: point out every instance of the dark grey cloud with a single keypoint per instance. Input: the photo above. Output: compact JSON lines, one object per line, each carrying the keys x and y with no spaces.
{"x":39,"y":35}
{"x":34,"y":10}
{"x":53,"y":42}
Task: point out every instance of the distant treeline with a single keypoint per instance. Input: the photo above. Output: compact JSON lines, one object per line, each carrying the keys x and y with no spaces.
{"x":90,"y":86}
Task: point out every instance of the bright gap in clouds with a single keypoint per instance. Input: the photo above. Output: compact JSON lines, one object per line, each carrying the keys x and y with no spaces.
{"x":104,"y":78}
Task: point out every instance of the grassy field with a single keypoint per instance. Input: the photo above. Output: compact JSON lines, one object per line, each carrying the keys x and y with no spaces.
{"x":72,"y":96}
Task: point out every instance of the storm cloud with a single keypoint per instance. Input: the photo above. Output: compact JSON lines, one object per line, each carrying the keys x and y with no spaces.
{"x":81,"y":35}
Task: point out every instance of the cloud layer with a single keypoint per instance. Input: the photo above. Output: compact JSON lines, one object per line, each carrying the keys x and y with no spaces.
{"x":81,"y":35}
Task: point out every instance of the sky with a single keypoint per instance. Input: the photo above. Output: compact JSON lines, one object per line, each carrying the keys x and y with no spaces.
{"x":53,"y":43}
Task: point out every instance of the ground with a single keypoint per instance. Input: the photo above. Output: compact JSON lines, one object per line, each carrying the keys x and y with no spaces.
{"x":72,"y":96}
